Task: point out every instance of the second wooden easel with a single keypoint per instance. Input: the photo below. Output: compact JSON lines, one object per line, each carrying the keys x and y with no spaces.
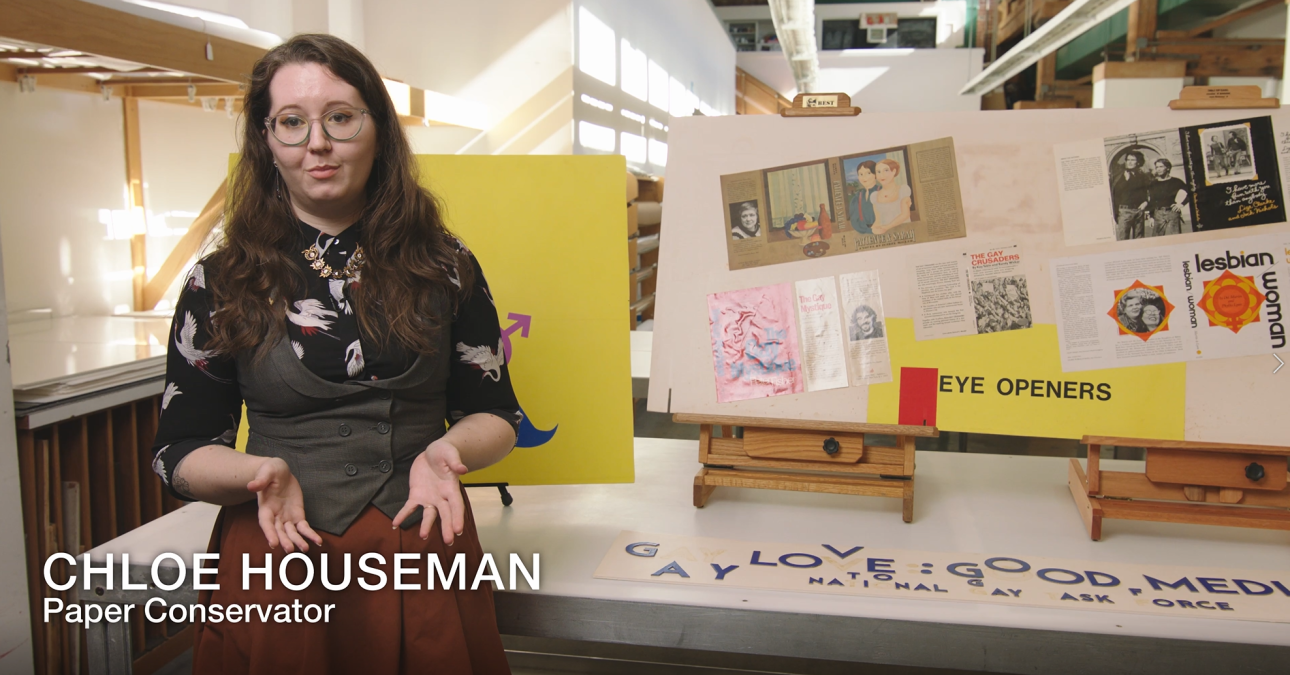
{"x":805,"y":456}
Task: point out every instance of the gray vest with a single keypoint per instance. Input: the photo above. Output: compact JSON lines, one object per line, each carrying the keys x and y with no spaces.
{"x":348,"y":444}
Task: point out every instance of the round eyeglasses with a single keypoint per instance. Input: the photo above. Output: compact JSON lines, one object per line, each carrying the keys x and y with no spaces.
{"x":341,"y":124}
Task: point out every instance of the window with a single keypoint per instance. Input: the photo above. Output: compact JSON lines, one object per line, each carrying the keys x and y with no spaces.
{"x":916,"y":33}
{"x":633,"y":148}
{"x":595,"y":137}
{"x":596,"y":48}
{"x":657,"y":86}
{"x":635,"y":72}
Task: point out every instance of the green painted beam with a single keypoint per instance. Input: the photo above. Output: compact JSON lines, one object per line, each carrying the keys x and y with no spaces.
{"x":1077,"y":57}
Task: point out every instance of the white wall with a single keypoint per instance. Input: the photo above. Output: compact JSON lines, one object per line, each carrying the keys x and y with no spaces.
{"x":185,"y":157}
{"x":1268,"y":24}
{"x":882,"y":80}
{"x":684,"y":38}
{"x":512,"y":58}
{"x":67,"y":163}
{"x":68,"y":167}
{"x":951,"y":16}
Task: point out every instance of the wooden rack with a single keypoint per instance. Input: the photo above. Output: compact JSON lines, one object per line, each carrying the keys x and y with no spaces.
{"x":1185,"y":482}
{"x":805,"y":456}
{"x":85,"y":481}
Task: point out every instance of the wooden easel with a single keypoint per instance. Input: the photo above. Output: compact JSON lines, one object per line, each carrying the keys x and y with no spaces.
{"x":801,"y":455}
{"x":805,"y":456}
{"x":1185,"y":482}
{"x":1220,"y":98}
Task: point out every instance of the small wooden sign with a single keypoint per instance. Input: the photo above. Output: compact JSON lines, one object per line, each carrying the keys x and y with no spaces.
{"x":821,"y":105}
{"x":1210,"y":98}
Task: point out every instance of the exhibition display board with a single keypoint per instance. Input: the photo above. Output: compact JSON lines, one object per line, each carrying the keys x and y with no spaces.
{"x":1070,"y":272}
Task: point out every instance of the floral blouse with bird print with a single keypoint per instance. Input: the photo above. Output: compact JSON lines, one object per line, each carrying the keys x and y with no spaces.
{"x":202,"y":405}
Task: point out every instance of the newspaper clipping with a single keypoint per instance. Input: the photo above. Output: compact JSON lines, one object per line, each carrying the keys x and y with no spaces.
{"x":821,"y":333}
{"x":974,"y":292}
{"x":856,"y":202}
{"x":1205,"y":300}
{"x":789,"y":338}
{"x":866,"y":328}
{"x":1160,"y":183}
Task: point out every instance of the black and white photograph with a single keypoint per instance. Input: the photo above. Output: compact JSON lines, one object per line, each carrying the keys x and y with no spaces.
{"x":1001,"y":303}
{"x":1148,"y":180}
{"x":864,"y":324}
{"x":745,"y":220}
{"x":1228,"y":155}
{"x":1140,"y":311}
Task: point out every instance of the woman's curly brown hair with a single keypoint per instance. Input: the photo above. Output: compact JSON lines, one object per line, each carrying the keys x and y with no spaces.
{"x":254,"y":271}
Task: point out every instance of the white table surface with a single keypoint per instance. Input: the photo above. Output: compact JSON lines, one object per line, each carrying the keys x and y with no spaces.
{"x":997,"y":504}
{"x":47,"y":352}
{"x":642,"y":345}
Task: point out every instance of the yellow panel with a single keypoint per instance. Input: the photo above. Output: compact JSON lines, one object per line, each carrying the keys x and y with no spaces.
{"x":1142,"y":402}
{"x":549,"y":232}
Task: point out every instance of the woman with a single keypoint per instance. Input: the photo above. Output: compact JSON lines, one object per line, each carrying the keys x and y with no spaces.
{"x":346,"y":384}
{"x":1151,"y":316}
{"x":748,"y":225}
{"x":891,"y":203}
{"x":861,"y":205}
{"x":1130,"y":313}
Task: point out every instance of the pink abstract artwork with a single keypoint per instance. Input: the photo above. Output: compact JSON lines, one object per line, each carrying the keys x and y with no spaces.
{"x":754,"y":343}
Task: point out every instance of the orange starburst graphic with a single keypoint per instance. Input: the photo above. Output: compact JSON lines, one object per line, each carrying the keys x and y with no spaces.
{"x":1231,"y":301}
{"x":1141,"y":310}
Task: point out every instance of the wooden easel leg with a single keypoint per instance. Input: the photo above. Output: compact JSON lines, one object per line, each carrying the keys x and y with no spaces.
{"x":701,"y":489}
{"x":907,"y":509}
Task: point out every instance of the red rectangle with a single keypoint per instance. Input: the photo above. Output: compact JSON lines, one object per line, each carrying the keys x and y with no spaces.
{"x":918,"y":396}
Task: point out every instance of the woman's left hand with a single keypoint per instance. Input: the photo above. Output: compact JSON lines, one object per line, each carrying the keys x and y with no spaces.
{"x":433,"y":486}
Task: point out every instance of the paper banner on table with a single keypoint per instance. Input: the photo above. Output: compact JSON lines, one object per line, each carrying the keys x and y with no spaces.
{"x":754,"y":343}
{"x":844,"y":567}
{"x":867,"y":350}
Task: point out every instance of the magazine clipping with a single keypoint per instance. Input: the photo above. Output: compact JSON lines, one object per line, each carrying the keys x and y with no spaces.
{"x":1203,"y":300}
{"x":973,"y":292}
{"x":1174,"y":181}
{"x":857,"y":202}
{"x":866,"y":325}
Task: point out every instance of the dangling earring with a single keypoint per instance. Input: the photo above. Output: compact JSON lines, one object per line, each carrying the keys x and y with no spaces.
{"x":277,"y":182}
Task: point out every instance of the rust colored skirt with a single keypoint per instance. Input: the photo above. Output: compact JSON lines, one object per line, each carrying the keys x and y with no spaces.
{"x":383,"y":632}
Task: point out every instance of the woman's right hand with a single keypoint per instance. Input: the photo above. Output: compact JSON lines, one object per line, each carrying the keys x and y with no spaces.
{"x":282,"y":507}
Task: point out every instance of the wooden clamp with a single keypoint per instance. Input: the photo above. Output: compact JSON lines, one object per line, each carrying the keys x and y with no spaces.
{"x":805,"y":456}
{"x":1216,"y":98}
{"x":1185,"y":482}
{"x":821,"y":105}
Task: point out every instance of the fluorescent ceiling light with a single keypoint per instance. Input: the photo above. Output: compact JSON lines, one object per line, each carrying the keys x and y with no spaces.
{"x":1070,"y":23}
{"x":204,"y":15}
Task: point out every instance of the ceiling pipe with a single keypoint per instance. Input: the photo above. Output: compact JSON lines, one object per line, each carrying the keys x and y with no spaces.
{"x":795,"y":27}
